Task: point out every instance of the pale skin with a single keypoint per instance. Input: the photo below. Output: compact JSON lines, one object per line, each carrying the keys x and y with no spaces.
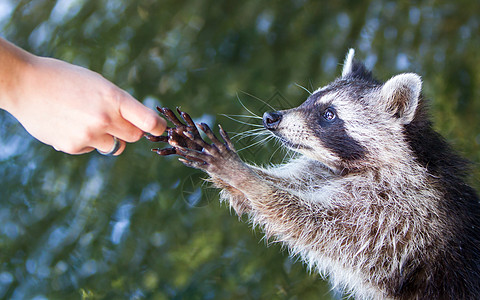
{"x":73,"y":109}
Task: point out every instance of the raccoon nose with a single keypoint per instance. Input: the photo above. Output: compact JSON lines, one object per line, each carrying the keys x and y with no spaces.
{"x":271,"y":120}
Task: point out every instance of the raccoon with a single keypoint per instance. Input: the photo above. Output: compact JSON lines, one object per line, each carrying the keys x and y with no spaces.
{"x":375,"y":199}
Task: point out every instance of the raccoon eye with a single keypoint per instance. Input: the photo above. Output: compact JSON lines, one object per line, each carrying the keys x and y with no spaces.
{"x":329,"y":114}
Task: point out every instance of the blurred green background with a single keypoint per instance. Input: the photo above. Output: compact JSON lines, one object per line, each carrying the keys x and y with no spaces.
{"x":141,"y":226}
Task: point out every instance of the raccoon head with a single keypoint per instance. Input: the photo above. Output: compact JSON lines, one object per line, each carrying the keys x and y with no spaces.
{"x":353,"y":122}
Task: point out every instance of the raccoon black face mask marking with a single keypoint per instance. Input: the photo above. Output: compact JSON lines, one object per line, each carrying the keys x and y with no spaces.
{"x":326,"y":126}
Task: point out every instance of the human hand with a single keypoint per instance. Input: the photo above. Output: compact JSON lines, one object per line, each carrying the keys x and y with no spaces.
{"x":76,"y":110}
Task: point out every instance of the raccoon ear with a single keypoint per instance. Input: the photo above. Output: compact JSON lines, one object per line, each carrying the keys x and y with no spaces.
{"x":348,"y":63}
{"x":400,"y":96}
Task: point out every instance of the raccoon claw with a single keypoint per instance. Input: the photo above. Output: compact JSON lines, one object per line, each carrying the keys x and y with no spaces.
{"x":186,"y":117}
{"x":226,"y":138}
{"x":154,"y":138}
{"x":170,"y":115}
{"x":192,"y":163}
{"x":205,"y":128}
{"x":165,"y":151}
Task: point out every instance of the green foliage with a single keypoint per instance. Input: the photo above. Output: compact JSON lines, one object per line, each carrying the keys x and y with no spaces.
{"x":142,"y":226}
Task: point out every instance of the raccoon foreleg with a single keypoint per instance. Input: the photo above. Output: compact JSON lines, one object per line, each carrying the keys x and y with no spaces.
{"x":220,"y":161}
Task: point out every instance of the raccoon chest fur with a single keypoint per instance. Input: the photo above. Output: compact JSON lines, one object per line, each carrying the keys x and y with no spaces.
{"x":371,"y":232}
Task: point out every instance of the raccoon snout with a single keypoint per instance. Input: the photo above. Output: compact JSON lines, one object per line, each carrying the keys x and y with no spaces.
{"x":271,"y":120}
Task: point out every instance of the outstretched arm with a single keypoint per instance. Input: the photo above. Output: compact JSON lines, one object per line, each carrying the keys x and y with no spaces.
{"x":69,"y":107}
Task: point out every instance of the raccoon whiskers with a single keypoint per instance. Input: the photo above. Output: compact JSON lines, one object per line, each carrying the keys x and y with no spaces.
{"x":311,"y":85}
{"x":273,"y":154}
{"x":252,"y":136}
{"x":248,"y":110}
{"x":252,"y":132}
{"x":256,"y":98}
{"x":279,"y":147}
{"x":245,"y":116}
{"x":303,"y":88}
{"x":290,"y":154}
{"x":242,"y":122}
{"x":264,"y":140}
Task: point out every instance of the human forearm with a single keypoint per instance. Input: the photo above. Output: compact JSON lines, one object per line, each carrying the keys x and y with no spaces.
{"x":69,"y":107}
{"x":14,"y":62}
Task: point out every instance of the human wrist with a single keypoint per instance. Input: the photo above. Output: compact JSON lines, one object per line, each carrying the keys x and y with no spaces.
{"x":15,"y":65}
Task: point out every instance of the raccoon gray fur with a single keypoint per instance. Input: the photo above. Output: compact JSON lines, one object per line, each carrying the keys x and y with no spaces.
{"x":376,"y":200}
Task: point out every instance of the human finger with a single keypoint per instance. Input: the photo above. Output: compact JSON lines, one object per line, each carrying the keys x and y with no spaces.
{"x":74,"y":151}
{"x":124,"y":130}
{"x":141,"y":116}
{"x":109,"y":145}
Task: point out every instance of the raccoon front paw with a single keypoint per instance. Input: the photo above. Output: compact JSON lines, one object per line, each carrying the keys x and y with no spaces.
{"x":218,"y":159}
{"x":175,"y":134}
